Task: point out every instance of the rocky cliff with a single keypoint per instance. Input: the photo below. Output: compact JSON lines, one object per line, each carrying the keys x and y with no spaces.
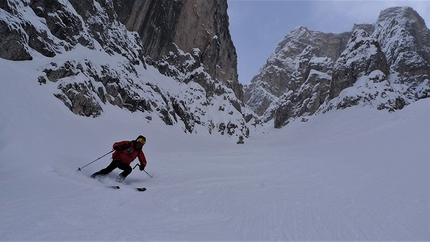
{"x":169,"y":28}
{"x":99,"y":53}
{"x":385,"y":65}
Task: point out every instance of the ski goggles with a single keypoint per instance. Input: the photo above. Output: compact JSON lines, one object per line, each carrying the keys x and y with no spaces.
{"x":141,"y":140}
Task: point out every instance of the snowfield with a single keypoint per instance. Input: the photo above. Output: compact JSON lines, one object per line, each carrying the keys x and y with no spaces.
{"x":355,"y":174}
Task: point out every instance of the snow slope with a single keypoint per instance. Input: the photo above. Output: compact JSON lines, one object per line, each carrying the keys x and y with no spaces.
{"x":355,"y":174}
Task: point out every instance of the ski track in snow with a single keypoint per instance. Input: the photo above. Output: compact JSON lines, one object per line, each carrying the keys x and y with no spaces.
{"x":355,"y":174}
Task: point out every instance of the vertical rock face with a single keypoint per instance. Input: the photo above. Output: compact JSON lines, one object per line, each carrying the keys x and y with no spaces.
{"x":204,"y":25}
{"x":155,"y":21}
{"x":170,"y":28}
{"x":384,"y":65}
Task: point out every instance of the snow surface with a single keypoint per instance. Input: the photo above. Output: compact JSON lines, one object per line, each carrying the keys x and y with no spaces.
{"x":355,"y":174}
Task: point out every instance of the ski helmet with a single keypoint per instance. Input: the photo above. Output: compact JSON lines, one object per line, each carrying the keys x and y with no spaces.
{"x":141,"y":139}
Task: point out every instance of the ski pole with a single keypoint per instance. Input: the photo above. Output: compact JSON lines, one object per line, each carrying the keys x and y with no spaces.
{"x":80,"y":168}
{"x":143,"y":170}
{"x":147,"y":174}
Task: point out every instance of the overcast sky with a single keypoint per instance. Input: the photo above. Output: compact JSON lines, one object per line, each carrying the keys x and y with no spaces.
{"x":257,"y":27}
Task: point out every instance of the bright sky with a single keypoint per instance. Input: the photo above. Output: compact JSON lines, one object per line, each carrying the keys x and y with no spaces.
{"x":257,"y":27}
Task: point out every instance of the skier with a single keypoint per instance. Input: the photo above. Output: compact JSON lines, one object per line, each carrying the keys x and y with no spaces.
{"x":125,"y":153}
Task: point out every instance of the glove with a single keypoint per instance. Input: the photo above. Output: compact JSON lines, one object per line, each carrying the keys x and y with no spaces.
{"x":141,"y":167}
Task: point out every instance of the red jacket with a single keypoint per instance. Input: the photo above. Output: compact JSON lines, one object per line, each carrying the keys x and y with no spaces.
{"x":128,"y":153}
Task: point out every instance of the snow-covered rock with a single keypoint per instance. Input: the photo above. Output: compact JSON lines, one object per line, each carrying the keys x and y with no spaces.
{"x":385,"y":66}
{"x":84,"y":49}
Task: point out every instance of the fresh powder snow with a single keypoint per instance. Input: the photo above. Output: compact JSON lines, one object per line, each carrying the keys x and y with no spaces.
{"x":353,"y":174}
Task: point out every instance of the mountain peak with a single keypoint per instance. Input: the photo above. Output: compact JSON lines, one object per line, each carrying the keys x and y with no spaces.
{"x":384,"y":65}
{"x":404,"y":12}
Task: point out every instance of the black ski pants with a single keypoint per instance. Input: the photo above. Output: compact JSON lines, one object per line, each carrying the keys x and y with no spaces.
{"x":112,"y":166}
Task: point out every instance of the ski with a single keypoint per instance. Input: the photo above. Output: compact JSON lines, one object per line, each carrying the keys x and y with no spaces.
{"x":140,"y":189}
{"x":116,"y":187}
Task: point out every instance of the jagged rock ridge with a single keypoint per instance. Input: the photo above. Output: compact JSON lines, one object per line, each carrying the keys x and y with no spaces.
{"x":384,"y":65}
{"x":206,"y":92}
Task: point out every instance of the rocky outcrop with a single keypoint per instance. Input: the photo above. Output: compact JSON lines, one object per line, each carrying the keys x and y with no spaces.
{"x":405,"y":40}
{"x":296,"y":78}
{"x":362,"y":56}
{"x":384,"y":65}
{"x":398,"y":73}
{"x":97,"y":54}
